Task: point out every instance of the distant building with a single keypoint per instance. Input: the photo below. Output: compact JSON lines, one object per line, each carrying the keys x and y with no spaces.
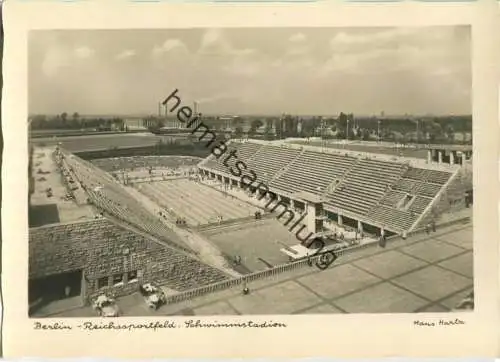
{"x":132,"y":123}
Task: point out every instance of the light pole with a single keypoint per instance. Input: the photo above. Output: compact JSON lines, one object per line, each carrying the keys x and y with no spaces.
{"x":347,"y":131}
{"x":281,"y":125}
{"x":323,"y":138}
{"x":418,"y":121}
{"x":378,"y":131}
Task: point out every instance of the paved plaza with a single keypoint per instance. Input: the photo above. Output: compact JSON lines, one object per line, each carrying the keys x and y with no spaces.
{"x":425,"y":273}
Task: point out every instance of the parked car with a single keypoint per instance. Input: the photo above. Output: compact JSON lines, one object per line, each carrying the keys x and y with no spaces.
{"x":106,"y":306}
{"x":153,"y":295}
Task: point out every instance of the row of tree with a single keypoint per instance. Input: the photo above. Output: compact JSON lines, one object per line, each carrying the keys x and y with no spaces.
{"x":345,"y":126}
{"x":64,"y":121}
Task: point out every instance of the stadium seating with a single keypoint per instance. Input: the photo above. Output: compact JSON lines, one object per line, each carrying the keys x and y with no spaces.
{"x":392,"y":218}
{"x":434,"y":176}
{"x":141,"y":162}
{"x":365,"y":185}
{"x":427,"y":189}
{"x":419,"y":204}
{"x":405,"y":185}
{"x":108,"y":195}
{"x":368,"y":187}
{"x":246,"y":150}
{"x":312,"y":172}
{"x":74,"y":245}
{"x":269,"y":160}
{"x":243,"y":152}
{"x":392,"y":198}
{"x":418,"y":181}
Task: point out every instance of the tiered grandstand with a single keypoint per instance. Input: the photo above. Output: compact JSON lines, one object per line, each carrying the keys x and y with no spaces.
{"x":79,"y":243}
{"x":319,"y":169}
{"x":377,"y":190}
{"x":144,"y":162}
{"x":99,"y":239}
{"x":108,"y":195}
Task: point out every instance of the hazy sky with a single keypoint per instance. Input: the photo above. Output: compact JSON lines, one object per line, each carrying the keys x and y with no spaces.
{"x":253,"y":71}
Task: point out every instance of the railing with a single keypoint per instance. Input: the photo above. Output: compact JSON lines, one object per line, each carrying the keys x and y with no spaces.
{"x":226,"y":284}
{"x":182,"y":296}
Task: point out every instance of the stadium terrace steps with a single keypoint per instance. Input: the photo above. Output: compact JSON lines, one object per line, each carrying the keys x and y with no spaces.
{"x":369,"y":188}
{"x":247,"y":150}
{"x":419,"y":204}
{"x":108,"y":195}
{"x":69,"y":247}
{"x":400,"y":220}
{"x":319,"y":169}
{"x":434,"y":176}
{"x":365,"y":185}
{"x":141,"y":162}
{"x":418,"y":187}
{"x":392,"y":198}
{"x":405,"y":185}
{"x":427,"y":189}
{"x":269,"y":160}
{"x":244,"y":151}
{"x":445,"y":199}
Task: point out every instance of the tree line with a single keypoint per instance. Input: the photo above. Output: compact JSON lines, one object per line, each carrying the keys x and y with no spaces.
{"x":402,"y":130}
{"x":64,"y":121}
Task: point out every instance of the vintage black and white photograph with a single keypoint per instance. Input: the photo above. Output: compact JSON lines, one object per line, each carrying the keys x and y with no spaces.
{"x":250,"y":171}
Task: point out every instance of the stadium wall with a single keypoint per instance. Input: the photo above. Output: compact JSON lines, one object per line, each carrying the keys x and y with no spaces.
{"x":103,"y":250}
